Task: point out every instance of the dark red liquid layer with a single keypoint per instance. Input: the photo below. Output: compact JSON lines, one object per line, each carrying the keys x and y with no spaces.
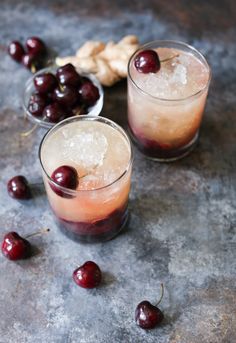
{"x":152,"y":149}
{"x":100,"y":230}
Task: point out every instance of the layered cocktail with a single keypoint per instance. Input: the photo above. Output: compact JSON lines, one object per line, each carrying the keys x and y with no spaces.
{"x":167,"y":89}
{"x":87,"y":164}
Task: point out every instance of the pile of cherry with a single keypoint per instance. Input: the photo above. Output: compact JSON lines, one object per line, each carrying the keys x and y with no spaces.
{"x":62,"y":95}
{"x":52,"y":101}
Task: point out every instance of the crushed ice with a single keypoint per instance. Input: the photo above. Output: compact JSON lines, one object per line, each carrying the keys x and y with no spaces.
{"x":85,"y":148}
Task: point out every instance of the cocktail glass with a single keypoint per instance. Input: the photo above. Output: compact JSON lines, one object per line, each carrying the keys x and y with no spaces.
{"x":165,"y":108}
{"x":101,"y":153}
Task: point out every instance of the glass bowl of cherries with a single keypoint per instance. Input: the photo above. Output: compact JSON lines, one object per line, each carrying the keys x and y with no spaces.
{"x":56,"y":93}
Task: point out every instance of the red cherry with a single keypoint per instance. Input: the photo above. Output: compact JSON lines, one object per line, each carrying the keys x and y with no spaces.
{"x":88,"y":275}
{"x":54,"y":113}
{"x":89,"y":93}
{"x":67,"y":96}
{"x":32,"y":62}
{"x":147,"y":61}
{"x":45,"y":83}
{"x":36,"y":46}
{"x":37,"y":103}
{"x":67,"y":75}
{"x":16,"y":51}
{"x":147,"y":316}
{"x":18,"y":188}
{"x":14,"y":247}
{"x":64,"y":176}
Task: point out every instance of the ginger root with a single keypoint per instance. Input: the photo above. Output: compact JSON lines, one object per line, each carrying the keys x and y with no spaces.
{"x":108,"y":62}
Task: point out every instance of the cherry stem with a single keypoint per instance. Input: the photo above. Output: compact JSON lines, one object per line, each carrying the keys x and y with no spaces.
{"x":27,"y":133}
{"x":40,"y":232}
{"x":162,"y":294}
{"x":169,"y":58}
{"x":33,"y":69}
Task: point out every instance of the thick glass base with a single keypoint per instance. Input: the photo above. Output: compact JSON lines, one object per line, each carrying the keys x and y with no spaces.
{"x":154,"y":151}
{"x":99,"y":231}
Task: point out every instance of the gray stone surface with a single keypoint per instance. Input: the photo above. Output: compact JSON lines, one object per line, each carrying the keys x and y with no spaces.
{"x":183,"y":223}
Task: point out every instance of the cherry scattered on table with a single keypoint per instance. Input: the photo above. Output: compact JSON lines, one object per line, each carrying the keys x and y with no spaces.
{"x":16,"y":51}
{"x":36,"y":46}
{"x":33,"y":56}
{"x":14,"y":247}
{"x":148,"y":316}
{"x":18,"y":188}
{"x":88,"y":275}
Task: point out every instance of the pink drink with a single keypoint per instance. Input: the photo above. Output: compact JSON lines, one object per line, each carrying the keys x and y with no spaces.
{"x":165,"y":108}
{"x":100,"y":151}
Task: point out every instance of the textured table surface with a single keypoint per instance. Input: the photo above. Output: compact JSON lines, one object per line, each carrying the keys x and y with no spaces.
{"x":183,"y":223}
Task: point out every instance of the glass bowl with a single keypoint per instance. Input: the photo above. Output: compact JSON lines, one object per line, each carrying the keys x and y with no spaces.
{"x":29,"y":89}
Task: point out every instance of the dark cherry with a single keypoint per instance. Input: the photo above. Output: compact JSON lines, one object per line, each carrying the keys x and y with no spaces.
{"x":64,"y":176}
{"x":67,"y":75}
{"x":18,"y":188}
{"x":16,"y":51}
{"x":88,"y":275}
{"x":36,"y":46}
{"x":54,"y":113}
{"x":147,"y":316}
{"x":32,"y":62}
{"x":147,"y":61}
{"x":14,"y":247}
{"x":45,"y":83}
{"x":66,"y":96}
{"x":37,"y":103}
{"x":89,"y":93}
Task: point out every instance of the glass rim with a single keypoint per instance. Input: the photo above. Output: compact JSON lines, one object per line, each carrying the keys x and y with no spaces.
{"x":180,"y":43}
{"x":86,"y":117}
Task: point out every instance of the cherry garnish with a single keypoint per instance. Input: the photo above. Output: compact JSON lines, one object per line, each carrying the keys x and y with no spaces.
{"x":37,"y":103}
{"x":16,"y":51}
{"x":147,"y":61}
{"x":36,"y":46}
{"x":14,"y":247}
{"x":89,"y":93}
{"x":18,"y":188}
{"x":66,"y":96}
{"x":64,"y":176}
{"x":45,"y":83}
{"x":67,"y":75}
{"x":148,"y":316}
{"x":88,"y":275}
{"x":54,"y":113}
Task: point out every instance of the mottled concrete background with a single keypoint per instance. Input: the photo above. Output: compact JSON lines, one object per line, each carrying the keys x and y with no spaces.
{"x":182,"y":229}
